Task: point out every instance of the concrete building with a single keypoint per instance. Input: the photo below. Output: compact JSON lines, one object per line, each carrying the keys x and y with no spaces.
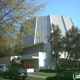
{"x":37,"y":48}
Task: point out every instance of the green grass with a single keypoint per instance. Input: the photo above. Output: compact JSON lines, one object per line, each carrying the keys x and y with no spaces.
{"x":48,"y":74}
{"x":35,"y":78}
{"x":42,"y":74}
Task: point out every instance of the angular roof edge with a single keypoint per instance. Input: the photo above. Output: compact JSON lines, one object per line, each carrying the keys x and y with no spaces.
{"x":35,"y":45}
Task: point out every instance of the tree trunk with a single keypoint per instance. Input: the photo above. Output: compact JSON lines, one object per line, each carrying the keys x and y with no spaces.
{"x":56,"y":57}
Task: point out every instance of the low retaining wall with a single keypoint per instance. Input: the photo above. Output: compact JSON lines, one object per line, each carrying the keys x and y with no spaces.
{"x":31,"y":70}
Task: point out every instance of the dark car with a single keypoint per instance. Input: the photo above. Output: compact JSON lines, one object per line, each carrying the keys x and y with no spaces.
{"x":16,"y":73}
{"x":66,"y":75}
{"x":3,"y":68}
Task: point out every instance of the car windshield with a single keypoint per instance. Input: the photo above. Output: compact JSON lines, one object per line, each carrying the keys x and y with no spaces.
{"x":61,"y":74}
{"x":6,"y":66}
{"x":21,"y":70}
{"x":67,"y":74}
{"x":1,"y":66}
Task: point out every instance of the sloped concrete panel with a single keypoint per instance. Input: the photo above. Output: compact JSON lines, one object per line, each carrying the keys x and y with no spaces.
{"x":57,"y":20}
{"x":68,"y":23}
{"x":42,"y":29}
{"x":43,"y":25}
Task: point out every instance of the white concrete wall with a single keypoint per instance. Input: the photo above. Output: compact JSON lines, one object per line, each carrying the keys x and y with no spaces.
{"x":42,"y":57}
{"x":33,"y":58}
{"x":49,"y":61}
{"x":30,"y":70}
{"x":45,"y":60}
{"x":28,"y":56}
{"x":63,"y":55}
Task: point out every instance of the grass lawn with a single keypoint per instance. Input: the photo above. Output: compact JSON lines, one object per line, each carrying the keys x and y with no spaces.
{"x":48,"y":74}
{"x":35,"y":78}
{"x":42,"y":74}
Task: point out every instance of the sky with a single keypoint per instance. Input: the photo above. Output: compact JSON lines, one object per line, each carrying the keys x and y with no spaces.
{"x":67,"y":8}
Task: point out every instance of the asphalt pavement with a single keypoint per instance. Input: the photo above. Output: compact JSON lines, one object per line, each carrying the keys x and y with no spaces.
{"x":37,"y":74}
{"x":2,"y":78}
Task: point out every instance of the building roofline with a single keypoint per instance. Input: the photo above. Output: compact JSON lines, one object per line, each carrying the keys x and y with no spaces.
{"x":53,"y":15}
{"x":34,"y":45}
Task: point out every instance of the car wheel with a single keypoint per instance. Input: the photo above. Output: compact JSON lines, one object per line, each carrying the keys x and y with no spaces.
{"x":23,"y":79}
{"x":4,"y":75}
{"x":13,"y":77}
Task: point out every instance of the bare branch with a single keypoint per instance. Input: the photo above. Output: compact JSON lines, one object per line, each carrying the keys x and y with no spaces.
{"x":11,"y":10}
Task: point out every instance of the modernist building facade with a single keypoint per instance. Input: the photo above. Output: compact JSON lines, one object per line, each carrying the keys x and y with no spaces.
{"x":38,"y":50}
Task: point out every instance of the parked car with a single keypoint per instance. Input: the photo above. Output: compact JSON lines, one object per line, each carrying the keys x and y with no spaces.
{"x":66,"y":75}
{"x":16,"y":73}
{"x":3,"y":68}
